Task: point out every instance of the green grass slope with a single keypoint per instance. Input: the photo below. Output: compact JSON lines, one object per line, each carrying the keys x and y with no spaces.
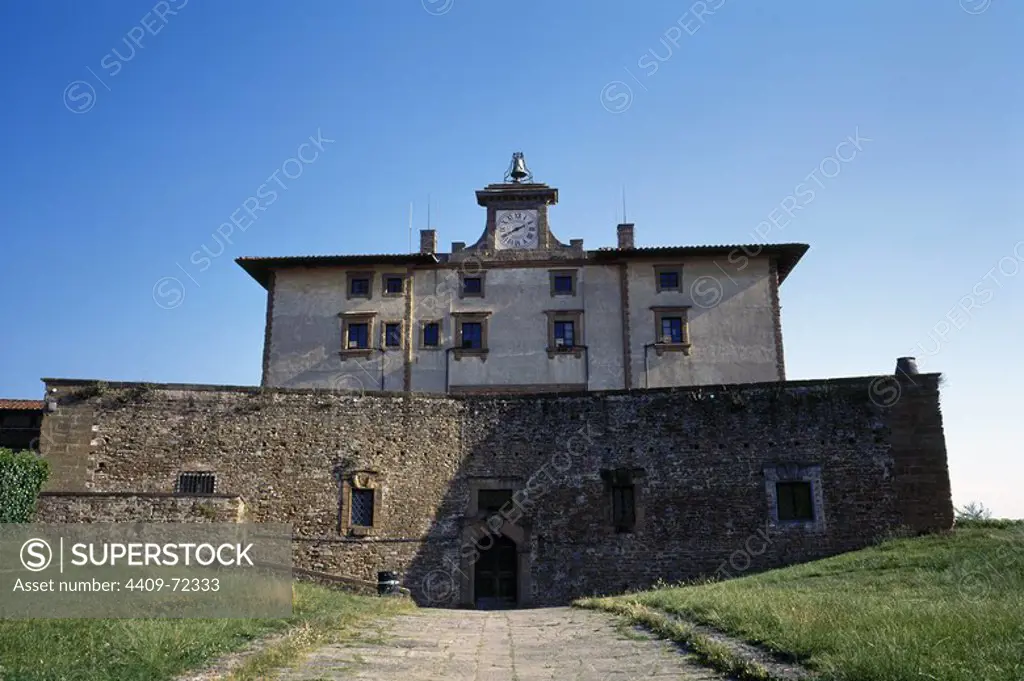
{"x":948,"y":608}
{"x":160,"y":649}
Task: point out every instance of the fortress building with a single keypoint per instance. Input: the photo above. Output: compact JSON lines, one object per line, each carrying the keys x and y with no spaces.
{"x":518,"y":422}
{"x":522,"y":311}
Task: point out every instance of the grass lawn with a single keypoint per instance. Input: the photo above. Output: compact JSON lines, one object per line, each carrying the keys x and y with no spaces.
{"x":156,"y":649}
{"x":948,"y":608}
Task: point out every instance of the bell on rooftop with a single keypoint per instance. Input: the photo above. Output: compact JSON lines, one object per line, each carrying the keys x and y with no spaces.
{"x":517,"y":170}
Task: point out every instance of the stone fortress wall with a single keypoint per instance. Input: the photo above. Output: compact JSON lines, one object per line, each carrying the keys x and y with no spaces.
{"x":703,"y":461}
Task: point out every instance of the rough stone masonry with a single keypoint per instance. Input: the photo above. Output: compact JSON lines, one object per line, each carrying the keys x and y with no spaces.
{"x":701,"y":464}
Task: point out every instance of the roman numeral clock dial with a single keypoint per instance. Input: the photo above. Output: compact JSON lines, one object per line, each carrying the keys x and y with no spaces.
{"x":515,"y":229}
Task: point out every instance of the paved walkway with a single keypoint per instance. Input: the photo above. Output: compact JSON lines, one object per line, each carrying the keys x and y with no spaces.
{"x":549,"y":644}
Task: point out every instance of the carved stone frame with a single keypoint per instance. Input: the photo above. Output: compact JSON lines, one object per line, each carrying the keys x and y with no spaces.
{"x":440,"y":334}
{"x":574,"y":316}
{"x":393,"y":275}
{"x":349,"y":318}
{"x":659,"y":269}
{"x":460,"y":317}
{"x":359,"y":480}
{"x":552,"y":274}
{"x":481,"y":275}
{"x":660,"y":312}
{"x":479,"y":530}
{"x":349,"y":276}
{"x":793,"y":472}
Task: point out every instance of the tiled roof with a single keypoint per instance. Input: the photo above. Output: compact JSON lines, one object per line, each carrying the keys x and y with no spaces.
{"x":786,"y":255}
{"x":260,"y":268}
{"x":22,"y":405}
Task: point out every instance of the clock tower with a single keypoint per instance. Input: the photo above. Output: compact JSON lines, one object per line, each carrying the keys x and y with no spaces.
{"x":517,"y":226}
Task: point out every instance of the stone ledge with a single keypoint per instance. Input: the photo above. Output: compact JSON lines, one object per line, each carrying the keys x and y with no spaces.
{"x":925,"y":382}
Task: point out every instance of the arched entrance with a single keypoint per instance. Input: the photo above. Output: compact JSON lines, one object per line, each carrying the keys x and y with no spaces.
{"x":496,"y":575}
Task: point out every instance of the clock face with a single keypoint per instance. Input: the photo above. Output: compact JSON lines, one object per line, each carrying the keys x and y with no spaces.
{"x":515,"y":229}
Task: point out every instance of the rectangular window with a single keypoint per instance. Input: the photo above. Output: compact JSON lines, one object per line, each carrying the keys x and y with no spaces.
{"x":492,"y":500}
{"x":472,"y":286}
{"x":359,"y":287}
{"x":362,"y":508}
{"x":392,"y":335}
{"x":565,"y":334}
{"x":472,"y":335}
{"x":623,"y":507}
{"x":393,"y":286}
{"x":431,"y":335}
{"x":794,"y":501}
{"x":668,"y":277}
{"x":562,"y":284}
{"x":196,"y":483}
{"x":358,"y":336}
{"x":671,"y":330}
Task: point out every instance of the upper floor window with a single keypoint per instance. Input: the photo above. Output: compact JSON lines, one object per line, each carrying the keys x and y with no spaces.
{"x":472,"y":335}
{"x":431,"y":334}
{"x":394,"y":285}
{"x":669,"y":277}
{"x":563,"y":282}
{"x":472,"y":286}
{"x":360,"y":285}
{"x":358,"y":336}
{"x":357,"y":329}
{"x":671,"y":330}
{"x":393,"y":334}
{"x":565,"y":334}
{"x":196,"y":483}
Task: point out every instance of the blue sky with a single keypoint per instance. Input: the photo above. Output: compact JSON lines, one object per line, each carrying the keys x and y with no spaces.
{"x":130,"y":138}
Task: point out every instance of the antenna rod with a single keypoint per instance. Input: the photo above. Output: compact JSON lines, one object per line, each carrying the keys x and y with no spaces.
{"x":624,"y":221}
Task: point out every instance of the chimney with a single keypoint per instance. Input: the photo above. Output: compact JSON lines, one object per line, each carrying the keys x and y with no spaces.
{"x":428,"y":241}
{"x":906,"y":366}
{"x":625,"y":231}
{"x":458,"y":246}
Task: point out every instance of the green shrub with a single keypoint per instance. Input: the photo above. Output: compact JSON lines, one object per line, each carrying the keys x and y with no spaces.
{"x":22,"y":475}
{"x":972,"y":511}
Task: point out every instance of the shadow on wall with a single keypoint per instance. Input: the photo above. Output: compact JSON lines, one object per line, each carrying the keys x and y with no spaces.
{"x":536,"y":514}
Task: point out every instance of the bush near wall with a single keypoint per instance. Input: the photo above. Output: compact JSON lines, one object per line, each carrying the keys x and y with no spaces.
{"x":22,"y":475}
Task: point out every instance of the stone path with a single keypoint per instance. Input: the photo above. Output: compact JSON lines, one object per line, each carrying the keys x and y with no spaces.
{"x":549,"y":644}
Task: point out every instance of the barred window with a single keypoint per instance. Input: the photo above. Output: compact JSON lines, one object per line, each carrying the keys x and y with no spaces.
{"x":196,"y":483}
{"x":362,"y":508}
